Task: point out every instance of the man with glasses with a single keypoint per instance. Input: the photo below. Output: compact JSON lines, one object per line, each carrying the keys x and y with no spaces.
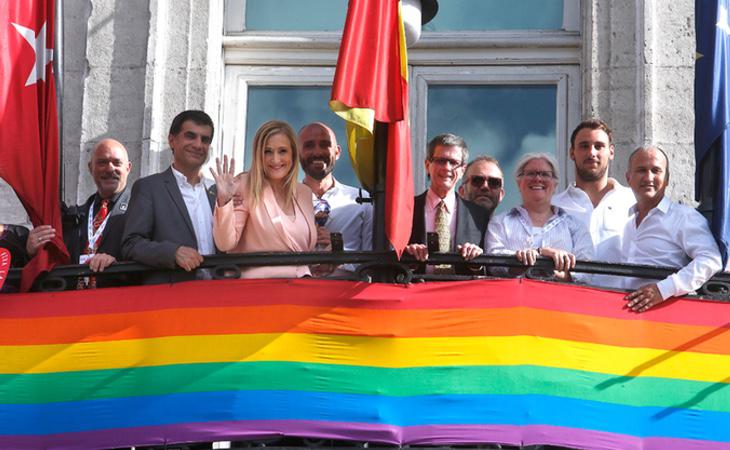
{"x":483,"y":183}
{"x":460,"y":224}
{"x":596,"y":199}
{"x":335,"y":204}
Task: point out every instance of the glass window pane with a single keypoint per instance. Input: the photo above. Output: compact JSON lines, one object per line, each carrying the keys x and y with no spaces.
{"x":297,"y":105}
{"x":295,"y":15}
{"x":453,"y":15}
{"x":475,"y":15}
{"x":503,"y":121}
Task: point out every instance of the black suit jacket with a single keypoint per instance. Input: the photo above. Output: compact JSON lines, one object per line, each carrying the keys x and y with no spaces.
{"x":157,"y":224}
{"x":13,"y":238}
{"x":75,"y":235}
{"x":75,"y":227}
{"x":471,"y":225}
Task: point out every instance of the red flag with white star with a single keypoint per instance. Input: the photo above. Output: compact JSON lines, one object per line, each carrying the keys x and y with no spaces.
{"x":29,"y":160}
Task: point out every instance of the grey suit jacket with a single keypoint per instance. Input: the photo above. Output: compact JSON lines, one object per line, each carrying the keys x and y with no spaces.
{"x":158,"y":223}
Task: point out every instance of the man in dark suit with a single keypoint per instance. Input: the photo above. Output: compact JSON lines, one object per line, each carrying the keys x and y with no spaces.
{"x":92,"y":232}
{"x":170,"y":221}
{"x":460,"y":224}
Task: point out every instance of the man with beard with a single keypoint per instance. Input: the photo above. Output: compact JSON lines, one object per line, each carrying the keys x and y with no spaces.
{"x":483,"y":183}
{"x":335,"y":205}
{"x":93,"y":231}
{"x":597,"y":200}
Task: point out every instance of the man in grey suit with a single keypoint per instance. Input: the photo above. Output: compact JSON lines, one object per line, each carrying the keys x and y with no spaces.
{"x":170,"y":217}
{"x":460,"y":224}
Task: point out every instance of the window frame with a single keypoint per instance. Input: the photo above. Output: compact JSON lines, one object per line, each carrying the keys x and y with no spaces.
{"x":442,"y":58}
{"x":565,"y":78}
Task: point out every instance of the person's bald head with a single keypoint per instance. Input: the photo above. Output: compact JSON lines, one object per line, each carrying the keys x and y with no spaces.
{"x":648,"y":174}
{"x":109,"y":166}
{"x":319,"y":150}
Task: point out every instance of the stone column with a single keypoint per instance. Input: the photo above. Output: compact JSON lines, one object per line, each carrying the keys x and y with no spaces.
{"x":638,"y":72}
{"x":184,"y":71}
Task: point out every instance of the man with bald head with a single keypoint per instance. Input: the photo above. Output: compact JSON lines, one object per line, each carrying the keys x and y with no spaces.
{"x":93,"y":231}
{"x":660,"y":232}
{"x":335,"y":205}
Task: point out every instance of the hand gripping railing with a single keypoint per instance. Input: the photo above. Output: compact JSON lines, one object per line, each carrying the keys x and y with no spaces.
{"x":371,"y":266}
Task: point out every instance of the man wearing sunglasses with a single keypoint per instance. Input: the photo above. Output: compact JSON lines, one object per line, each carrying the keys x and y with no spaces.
{"x":596,"y":199}
{"x":483,"y":183}
{"x":460,"y":224}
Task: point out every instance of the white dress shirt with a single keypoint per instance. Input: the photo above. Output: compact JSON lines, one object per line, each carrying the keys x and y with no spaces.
{"x":352,"y":219}
{"x":671,"y":235}
{"x":605,"y":222}
{"x":432,"y":202}
{"x":198,"y":206}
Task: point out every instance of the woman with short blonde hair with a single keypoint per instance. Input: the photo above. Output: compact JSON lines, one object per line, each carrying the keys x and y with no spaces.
{"x":275,"y":213}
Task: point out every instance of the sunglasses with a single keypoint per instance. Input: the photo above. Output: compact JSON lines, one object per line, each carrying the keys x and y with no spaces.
{"x":478,"y":181}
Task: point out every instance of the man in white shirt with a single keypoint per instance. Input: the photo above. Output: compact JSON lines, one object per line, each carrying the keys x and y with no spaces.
{"x":335,"y":204}
{"x":170,"y":219}
{"x":460,"y":224}
{"x":663,"y":233}
{"x":596,"y":199}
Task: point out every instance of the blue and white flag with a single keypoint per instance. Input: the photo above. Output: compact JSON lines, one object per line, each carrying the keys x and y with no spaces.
{"x":711,"y":110}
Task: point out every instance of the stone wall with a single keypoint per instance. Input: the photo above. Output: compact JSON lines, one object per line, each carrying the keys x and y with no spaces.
{"x":638,"y":66}
{"x":131,"y":65}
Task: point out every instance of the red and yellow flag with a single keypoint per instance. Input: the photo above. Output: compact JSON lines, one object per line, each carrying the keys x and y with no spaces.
{"x":371,"y":84}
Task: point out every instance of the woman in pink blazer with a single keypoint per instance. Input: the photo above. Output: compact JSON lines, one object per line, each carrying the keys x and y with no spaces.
{"x":276,"y":213}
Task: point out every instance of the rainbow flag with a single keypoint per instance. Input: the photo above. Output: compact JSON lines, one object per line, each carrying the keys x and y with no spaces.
{"x":510,"y":361}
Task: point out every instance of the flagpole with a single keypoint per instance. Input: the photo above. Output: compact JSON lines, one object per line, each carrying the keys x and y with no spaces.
{"x":380,"y":240}
{"x":58,"y":74}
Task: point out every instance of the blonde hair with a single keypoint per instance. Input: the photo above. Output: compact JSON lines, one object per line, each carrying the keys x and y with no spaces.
{"x":257,"y":175}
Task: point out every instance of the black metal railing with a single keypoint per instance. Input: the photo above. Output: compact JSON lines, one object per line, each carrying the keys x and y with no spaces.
{"x":371,"y":266}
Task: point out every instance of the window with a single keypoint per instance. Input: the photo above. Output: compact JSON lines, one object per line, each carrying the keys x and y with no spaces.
{"x":508,"y":81}
{"x":454,"y":15}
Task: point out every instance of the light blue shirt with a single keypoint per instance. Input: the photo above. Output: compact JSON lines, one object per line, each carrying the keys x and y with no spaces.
{"x":513,"y":230}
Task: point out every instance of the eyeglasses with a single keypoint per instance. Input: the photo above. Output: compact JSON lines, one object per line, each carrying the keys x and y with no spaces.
{"x":478,"y":181}
{"x":533,"y":174}
{"x":444,"y":161}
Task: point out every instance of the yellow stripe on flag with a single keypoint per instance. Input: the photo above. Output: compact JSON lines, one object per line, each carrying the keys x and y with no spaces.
{"x":367,"y":351}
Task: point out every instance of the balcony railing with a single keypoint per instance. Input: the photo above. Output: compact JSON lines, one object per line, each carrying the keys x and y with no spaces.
{"x":373,"y":265}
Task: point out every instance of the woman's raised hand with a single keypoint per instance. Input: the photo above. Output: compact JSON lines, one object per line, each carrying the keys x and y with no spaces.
{"x":226,"y":181}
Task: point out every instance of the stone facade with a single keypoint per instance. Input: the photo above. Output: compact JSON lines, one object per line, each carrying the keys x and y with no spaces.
{"x":638,"y":75}
{"x":131,"y":65}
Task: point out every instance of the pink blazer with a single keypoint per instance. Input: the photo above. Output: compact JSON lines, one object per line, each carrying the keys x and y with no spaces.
{"x":266,"y":229}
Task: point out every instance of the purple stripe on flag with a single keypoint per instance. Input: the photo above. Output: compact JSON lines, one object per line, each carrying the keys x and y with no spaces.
{"x":385,"y":434}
